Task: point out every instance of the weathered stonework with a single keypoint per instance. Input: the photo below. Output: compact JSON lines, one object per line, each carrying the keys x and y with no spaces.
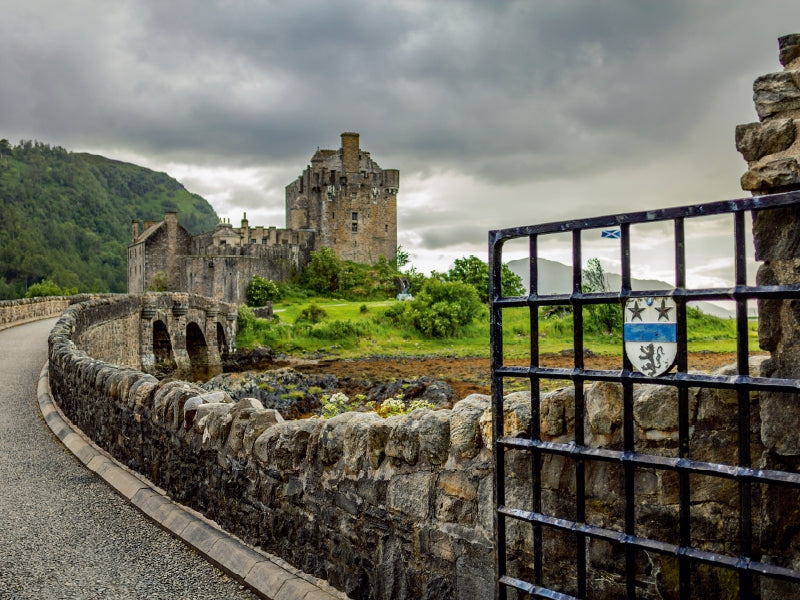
{"x":343,"y":201}
{"x":402,"y":507}
{"x":349,"y":201}
{"x":772,"y":149}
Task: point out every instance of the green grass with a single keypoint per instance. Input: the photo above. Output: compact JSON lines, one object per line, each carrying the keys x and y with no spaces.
{"x":347,"y":331}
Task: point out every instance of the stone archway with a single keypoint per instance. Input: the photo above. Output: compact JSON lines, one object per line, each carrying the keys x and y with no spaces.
{"x":162,"y":348}
{"x":222,"y":342}
{"x":197,"y":349}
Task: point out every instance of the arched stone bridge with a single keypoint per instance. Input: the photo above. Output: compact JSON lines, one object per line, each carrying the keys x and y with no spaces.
{"x":174,"y":334}
{"x":184,"y":333}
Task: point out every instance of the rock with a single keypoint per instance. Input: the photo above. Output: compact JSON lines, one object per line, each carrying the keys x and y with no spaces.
{"x":410,"y":494}
{"x":789,"y":50}
{"x":258,"y":423}
{"x":356,"y":452}
{"x":403,"y":442}
{"x":240,"y":419}
{"x":772,"y":175}
{"x":603,"y":403}
{"x":516,"y":417}
{"x":756,"y":140}
{"x":465,"y":431}
{"x":557,"y":413}
{"x":192,"y":404}
{"x":434,"y":435}
{"x":776,"y":93}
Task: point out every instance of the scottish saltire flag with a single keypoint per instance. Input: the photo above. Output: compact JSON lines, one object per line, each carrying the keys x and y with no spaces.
{"x":613,"y":234}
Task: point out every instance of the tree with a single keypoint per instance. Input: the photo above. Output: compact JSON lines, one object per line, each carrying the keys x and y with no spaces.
{"x":473,"y":271}
{"x":443,"y":309}
{"x":261,"y":290}
{"x":47,"y":287}
{"x":401,"y":258}
{"x":159,"y":283}
{"x":323,"y":273}
{"x":604,"y":318}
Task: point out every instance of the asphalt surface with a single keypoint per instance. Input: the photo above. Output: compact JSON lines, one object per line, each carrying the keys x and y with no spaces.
{"x":64,"y":534}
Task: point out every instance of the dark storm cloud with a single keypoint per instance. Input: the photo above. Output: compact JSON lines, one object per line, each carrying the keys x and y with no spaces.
{"x":505,"y":93}
{"x":505,"y":89}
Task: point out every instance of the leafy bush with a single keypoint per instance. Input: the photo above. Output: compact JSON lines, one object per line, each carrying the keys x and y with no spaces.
{"x":246,"y":319}
{"x":473,"y":271}
{"x":311,"y":314}
{"x":260,"y":291}
{"x":442,"y":309}
{"x":159,"y":283}
{"x":49,"y":288}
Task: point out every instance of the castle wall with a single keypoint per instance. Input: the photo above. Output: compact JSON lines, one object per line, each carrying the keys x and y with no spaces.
{"x":349,"y":201}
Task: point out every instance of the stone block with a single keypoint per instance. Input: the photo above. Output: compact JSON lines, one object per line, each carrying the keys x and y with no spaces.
{"x":410,"y":494}
{"x":756,"y":140}
{"x":259,"y":422}
{"x":201,"y":535}
{"x":268,"y":578}
{"x":234,"y":557}
{"x":465,"y":432}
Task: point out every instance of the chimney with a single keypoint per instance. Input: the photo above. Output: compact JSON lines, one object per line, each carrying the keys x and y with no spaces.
{"x":135,"y":230}
{"x":350,"y":152}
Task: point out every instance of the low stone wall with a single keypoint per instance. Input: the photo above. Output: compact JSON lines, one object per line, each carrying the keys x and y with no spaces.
{"x":25,"y":310}
{"x":395,"y":508}
{"x":402,"y":507}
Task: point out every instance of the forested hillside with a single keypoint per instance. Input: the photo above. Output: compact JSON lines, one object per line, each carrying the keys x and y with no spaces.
{"x":67,"y":216}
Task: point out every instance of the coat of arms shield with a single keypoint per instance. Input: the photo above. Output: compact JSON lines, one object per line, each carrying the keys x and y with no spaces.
{"x":650,"y":334}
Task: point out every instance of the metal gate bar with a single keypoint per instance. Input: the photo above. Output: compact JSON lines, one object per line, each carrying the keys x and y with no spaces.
{"x":576,"y":530}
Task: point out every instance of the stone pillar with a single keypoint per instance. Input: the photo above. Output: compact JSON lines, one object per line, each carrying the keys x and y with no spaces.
{"x":772,"y":150}
{"x":177,"y":332}
{"x":146,"y":356}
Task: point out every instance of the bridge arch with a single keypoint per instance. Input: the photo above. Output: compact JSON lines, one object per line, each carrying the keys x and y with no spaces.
{"x":197,"y":349}
{"x":222,"y":341}
{"x":162,"y":347}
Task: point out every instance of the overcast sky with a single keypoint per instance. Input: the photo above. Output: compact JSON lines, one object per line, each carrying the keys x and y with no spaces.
{"x":496,"y":113}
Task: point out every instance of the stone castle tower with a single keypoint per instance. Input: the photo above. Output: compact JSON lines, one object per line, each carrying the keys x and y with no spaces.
{"x":348,"y":201}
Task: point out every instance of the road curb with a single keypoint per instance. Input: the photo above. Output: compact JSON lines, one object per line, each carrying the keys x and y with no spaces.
{"x":266,"y":575}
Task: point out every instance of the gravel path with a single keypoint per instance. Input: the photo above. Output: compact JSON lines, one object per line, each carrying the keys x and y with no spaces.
{"x":64,"y":534}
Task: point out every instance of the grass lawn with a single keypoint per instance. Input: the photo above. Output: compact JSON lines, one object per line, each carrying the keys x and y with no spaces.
{"x":360,"y":329}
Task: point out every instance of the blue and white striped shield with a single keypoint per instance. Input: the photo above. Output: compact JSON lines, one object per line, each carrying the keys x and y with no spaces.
{"x":650,"y":333}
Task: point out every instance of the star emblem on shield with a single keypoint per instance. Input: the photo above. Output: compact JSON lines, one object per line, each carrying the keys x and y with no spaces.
{"x":650,"y":334}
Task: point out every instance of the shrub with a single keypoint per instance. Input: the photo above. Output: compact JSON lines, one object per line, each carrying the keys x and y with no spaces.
{"x":443,"y":309}
{"x":311,"y":314}
{"x":246,"y":318}
{"x":260,"y":291}
{"x":48,"y":288}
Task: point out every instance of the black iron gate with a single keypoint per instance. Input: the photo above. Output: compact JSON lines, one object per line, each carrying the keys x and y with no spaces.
{"x":538,"y":523}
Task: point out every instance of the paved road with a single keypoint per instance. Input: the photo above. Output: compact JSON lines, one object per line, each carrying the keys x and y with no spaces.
{"x":64,"y":534}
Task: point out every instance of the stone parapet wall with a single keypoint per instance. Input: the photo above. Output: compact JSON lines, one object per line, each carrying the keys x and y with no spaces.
{"x":395,"y":508}
{"x":402,"y":507}
{"x":25,"y":310}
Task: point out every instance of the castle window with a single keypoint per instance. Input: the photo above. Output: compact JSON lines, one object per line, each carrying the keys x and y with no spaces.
{"x":386,"y":228}
{"x":222,"y":242}
{"x":353,"y":196}
{"x":354,"y":226}
{"x":264,"y":241}
{"x":354,"y":216}
{"x":252,"y":240}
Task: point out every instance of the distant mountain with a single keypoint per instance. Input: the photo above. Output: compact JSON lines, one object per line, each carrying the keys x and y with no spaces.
{"x":556,"y":278}
{"x":67,"y":216}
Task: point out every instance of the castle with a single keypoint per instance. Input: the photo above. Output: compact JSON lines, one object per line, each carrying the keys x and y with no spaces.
{"x":343,"y":201}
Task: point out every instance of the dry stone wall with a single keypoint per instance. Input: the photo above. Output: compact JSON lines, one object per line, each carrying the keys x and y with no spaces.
{"x":24,"y":310}
{"x":402,"y":507}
